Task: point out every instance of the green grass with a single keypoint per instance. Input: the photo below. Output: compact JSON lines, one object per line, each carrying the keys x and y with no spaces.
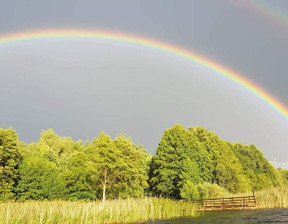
{"x":114,"y":211}
{"x":272,"y":198}
{"x":275,"y":197}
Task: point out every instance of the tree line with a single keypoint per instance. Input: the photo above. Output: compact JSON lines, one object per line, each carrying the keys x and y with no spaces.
{"x":189,"y":164}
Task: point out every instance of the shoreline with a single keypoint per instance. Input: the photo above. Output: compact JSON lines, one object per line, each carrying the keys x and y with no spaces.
{"x":121,"y":210}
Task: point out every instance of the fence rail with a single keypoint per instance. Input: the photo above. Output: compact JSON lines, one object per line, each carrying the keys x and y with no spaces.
{"x":233,"y":203}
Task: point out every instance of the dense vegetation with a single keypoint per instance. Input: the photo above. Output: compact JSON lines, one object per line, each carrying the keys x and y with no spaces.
{"x":112,"y":211}
{"x":189,"y":163}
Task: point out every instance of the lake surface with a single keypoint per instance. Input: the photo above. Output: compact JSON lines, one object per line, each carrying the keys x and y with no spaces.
{"x":249,"y":216}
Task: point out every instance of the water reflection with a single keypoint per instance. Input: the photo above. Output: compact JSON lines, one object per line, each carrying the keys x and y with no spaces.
{"x":239,"y":217}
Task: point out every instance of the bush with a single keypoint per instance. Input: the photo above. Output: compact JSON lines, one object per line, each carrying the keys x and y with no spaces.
{"x":189,"y":191}
{"x":208,"y":190}
{"x":202,"y":191}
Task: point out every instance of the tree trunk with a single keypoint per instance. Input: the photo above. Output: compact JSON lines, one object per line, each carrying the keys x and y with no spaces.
{"x":104,"y":184}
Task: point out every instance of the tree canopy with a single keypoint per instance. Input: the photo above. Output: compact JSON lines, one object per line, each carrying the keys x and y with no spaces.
{"x":190,"y":163}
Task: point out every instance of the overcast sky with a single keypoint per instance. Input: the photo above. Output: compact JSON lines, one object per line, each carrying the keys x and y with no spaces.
{"x":79,"y":87}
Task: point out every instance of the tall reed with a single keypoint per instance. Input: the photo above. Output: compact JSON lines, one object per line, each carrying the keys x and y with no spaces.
{"x":114,"y":211}
{"x":272,"y":198}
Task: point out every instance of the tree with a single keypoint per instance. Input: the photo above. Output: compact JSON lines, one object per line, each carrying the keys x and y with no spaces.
{"x":179,"y":158}
{"x":228,"y":171}
{"x":257,"y":168}
{"x":104,"y":163}
{"x":38,"y":178}
{"x":75,"y":178}
{"x":133,"y":175}
{"x":10,"y":159}
{"x":117,"y":166}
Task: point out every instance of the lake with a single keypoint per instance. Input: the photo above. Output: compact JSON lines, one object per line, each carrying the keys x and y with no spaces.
{"x":248,"y":216}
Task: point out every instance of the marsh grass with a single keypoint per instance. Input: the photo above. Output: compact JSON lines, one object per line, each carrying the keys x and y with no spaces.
{"x":114,"y":211}
{"x":272,"y":198}
{"x":276,"y":197}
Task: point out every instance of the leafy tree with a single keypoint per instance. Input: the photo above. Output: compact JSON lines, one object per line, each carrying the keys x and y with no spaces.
{"x":190,"y":191}
{"x":9,"y":162}
{"x":179,"y":158}
{"x":104,"y":163}
{"x":167,"y":165}
{"x":284,"y":175}
{"x":134,"y":170}
{"x":75,"y":178}
{"x":257,"y":168}
{"x":117,"y":166}
{"x":228,"y":171}
{"x":37,"y":179}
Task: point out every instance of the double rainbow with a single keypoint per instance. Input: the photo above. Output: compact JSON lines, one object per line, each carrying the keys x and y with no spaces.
{"x":192,"y":56}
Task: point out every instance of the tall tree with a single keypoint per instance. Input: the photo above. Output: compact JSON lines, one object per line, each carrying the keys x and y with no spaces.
{"x":257,"y":168}
{"x":104,"y":162}
{"x":179,"y":159}
{"x":10,"y":159}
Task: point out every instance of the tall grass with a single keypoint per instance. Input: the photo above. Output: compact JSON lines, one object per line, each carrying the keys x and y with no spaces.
{"x":275,"y":197}
{"x":115,"y":211}
{"x":272,"y":198}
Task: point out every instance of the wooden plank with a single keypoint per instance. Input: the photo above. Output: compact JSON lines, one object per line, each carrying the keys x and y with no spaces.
{"x":228,"y":203}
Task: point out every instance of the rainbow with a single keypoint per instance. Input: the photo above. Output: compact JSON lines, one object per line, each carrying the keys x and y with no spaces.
{"x":267,"y":8}
{"x":192,"y":56}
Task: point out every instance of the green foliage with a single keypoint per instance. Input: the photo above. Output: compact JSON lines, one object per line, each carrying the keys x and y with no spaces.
{"x":58,"y":168}
{"x":189,"y":163}
{"x":179,"y":158}
{"x":37,"y":179}
{"x":118,"y":167}
{"x":201,"y":191}
{"x":258,"y":169}
{"x":208,"y":190}
{"x":283,"y":175}
{"x":9,"y":162}
{"x":228,"y":171}
{"x":191,"y":157}
{"x":190,"y":191}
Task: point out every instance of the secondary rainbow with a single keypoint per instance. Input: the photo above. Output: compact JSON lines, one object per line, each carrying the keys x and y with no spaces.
{"x":268,"y":9}
{"x":197,"y":58}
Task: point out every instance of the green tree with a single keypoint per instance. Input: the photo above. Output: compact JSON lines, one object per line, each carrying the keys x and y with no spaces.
{"x":104,"y":163}
{"x":257,"y":168}
{"x":37,"y":179}
{"x":179,"y":158}
{"x":10,"y":159}
{"x":117,"y":166}
{"x":228,"y":171}
{"x":75,"y":178}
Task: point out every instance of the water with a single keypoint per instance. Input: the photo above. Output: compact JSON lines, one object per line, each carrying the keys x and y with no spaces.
{"x":238,"y":217}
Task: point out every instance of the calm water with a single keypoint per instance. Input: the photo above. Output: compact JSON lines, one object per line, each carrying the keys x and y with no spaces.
{"x":258,"y":216}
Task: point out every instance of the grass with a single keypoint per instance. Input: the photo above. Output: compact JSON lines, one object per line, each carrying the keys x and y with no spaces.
{"x":114,"y":211}
{"x":275,"y":197}
{"x":272,"y":198}
{"x":117,"y":211}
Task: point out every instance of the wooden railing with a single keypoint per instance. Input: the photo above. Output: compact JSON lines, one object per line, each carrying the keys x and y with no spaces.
{"x":233,"y":203}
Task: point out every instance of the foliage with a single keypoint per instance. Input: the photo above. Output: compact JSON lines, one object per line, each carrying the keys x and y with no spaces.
{"x":257,"y":168}
{"x":189,"y":163}
{"x":58,"y":168}
{"x":283,"y":175}
{"x":9,"y":162}
{"x":203,"y":191}
{"x":179,"y":158}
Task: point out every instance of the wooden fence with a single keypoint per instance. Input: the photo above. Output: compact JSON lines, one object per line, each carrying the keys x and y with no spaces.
{"x":233,"y":203}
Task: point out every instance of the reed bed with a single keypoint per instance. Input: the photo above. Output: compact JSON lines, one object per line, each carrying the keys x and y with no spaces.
{"x":275,"y":197}
{"x":272,"y":198}
{"x":114,"y":211}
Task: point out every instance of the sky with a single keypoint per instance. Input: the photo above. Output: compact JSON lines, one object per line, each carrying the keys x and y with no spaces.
{"x":81,"y":86}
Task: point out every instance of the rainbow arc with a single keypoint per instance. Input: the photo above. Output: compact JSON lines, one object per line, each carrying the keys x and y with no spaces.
{"x":192,"y":56}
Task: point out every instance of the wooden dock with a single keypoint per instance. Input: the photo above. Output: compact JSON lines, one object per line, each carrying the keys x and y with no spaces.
{"x":233,"y":203}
